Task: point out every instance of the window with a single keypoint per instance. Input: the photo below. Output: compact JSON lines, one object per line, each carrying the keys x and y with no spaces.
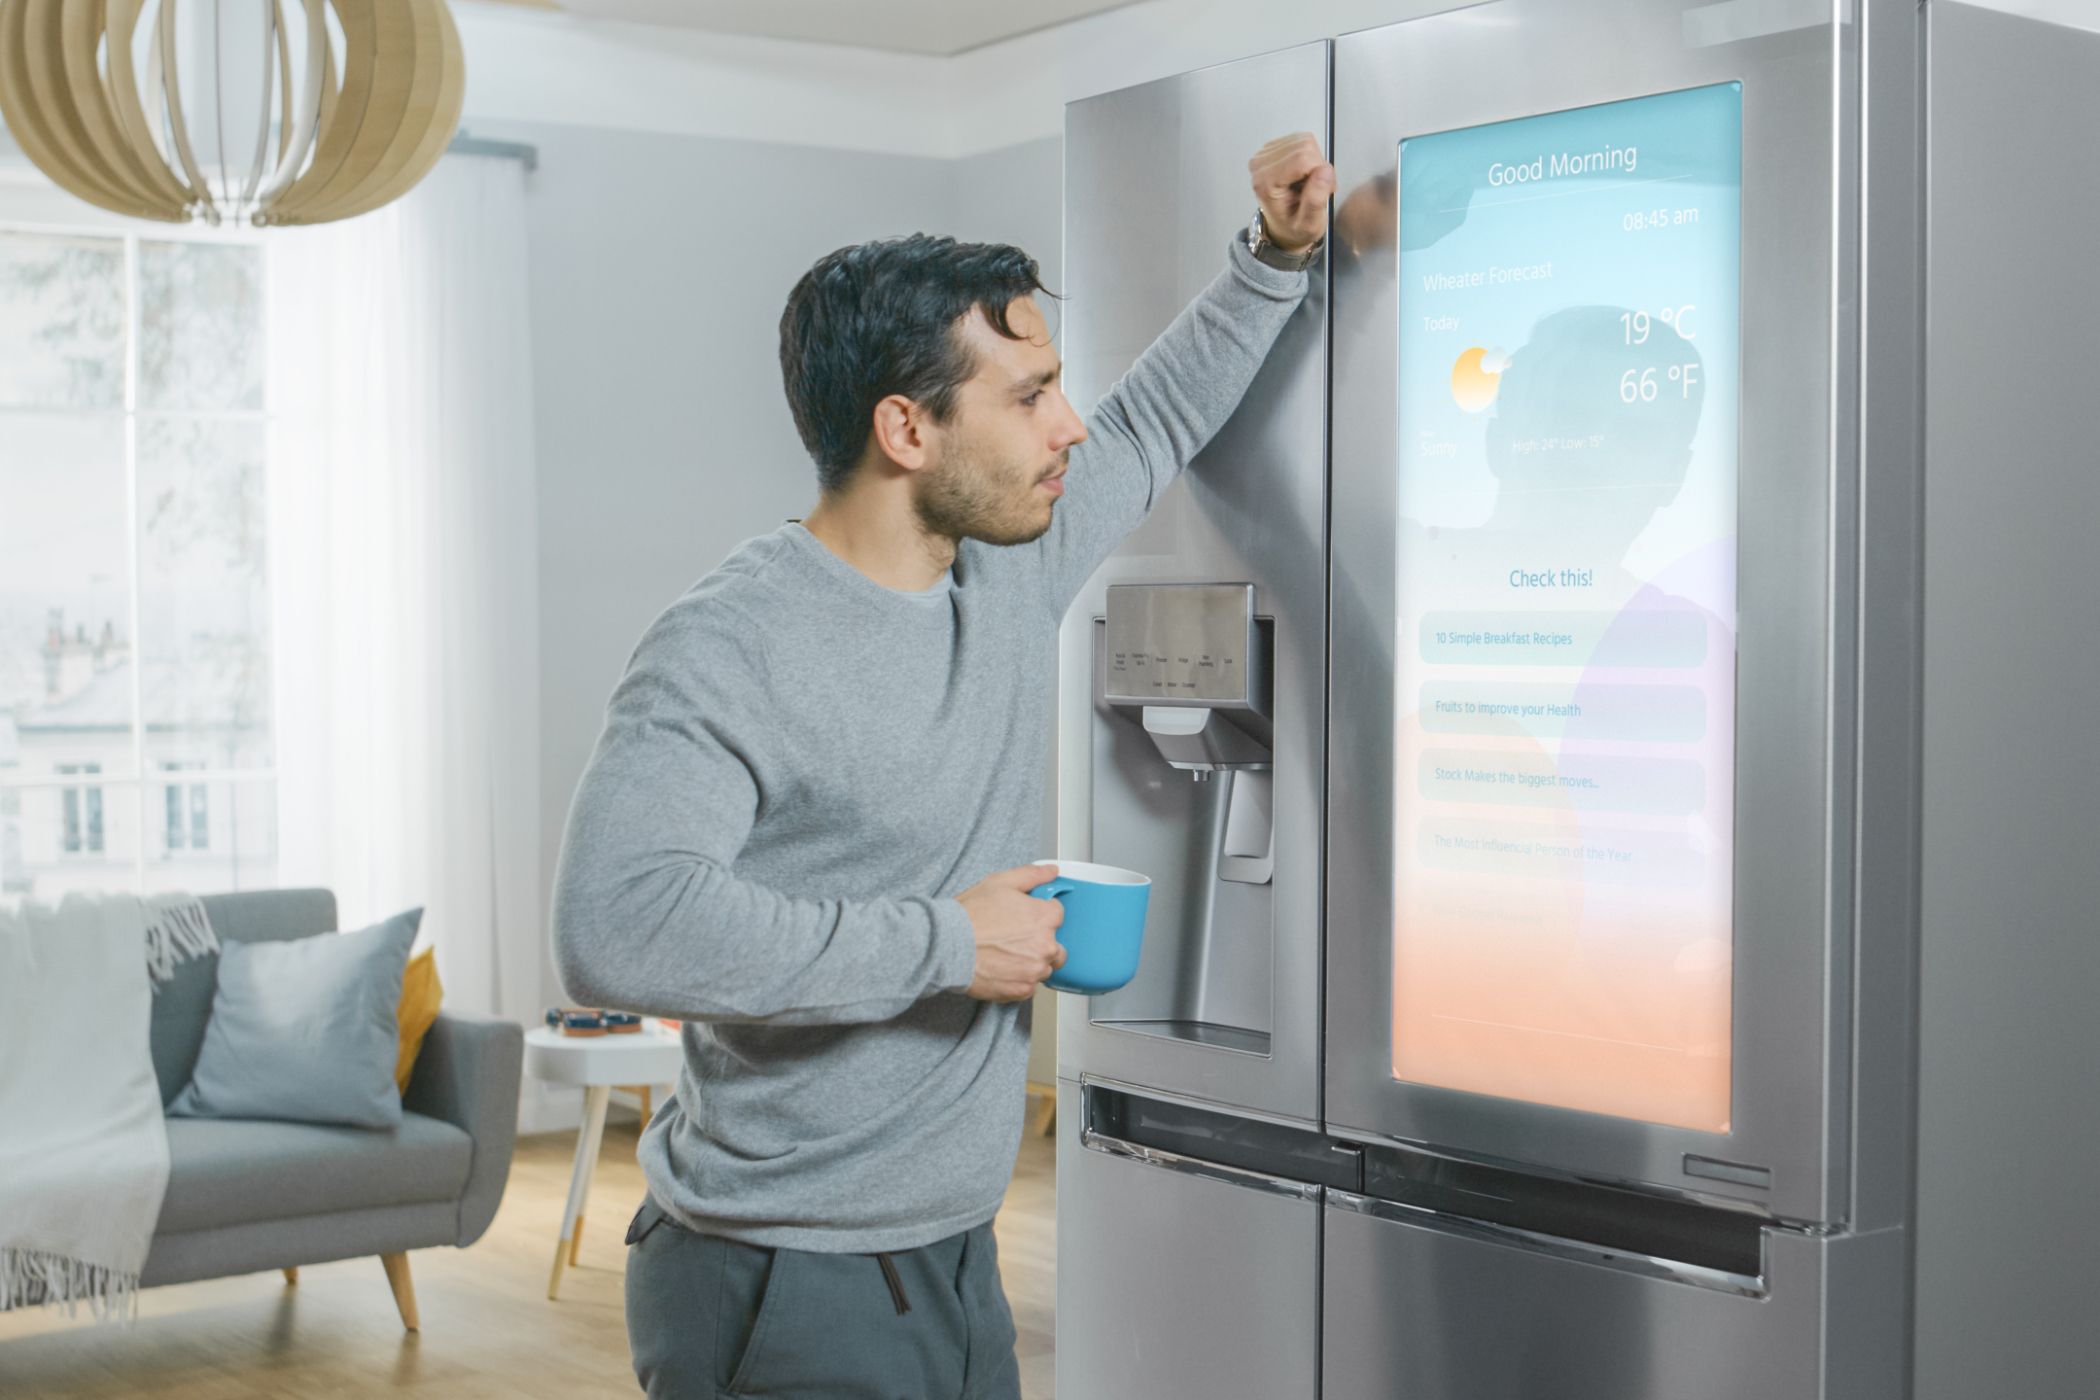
{"x":83,"y":807}
{"x":188,"y":813}
{"x":13,"y":881}
{"x":134,"y":569}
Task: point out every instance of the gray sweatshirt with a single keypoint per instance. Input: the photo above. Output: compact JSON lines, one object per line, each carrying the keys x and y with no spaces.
{"x":799,"y":772}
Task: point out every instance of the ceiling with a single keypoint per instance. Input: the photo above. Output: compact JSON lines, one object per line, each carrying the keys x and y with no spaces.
{"x":938,"y":27}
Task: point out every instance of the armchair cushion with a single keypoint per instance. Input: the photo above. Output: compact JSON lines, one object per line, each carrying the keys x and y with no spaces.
{"x":236,"y":1171}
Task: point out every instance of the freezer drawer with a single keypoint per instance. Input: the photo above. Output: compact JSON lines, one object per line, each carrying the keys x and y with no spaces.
{"x":1178,"y":1281}
{"x":1438,"y":1308}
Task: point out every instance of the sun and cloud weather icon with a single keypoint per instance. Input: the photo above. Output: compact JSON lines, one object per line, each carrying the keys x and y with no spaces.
{"x":1476,"y":376}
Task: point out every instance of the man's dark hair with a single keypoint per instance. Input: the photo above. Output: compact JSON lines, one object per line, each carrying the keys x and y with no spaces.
{"x":883,"y":318}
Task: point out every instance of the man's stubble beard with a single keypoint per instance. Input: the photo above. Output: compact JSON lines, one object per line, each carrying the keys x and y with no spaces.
{"x":964,"y":499}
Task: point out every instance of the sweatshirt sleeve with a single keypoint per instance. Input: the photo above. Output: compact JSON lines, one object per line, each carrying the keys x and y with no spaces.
{"x":649,"y":915}
{"x":1161,"y":413}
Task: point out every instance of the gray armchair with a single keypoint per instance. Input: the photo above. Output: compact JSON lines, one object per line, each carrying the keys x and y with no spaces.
{"x":246,"y":1195}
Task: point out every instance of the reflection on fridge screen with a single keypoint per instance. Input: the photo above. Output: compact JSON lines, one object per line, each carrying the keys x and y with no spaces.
{"x":1568,"y":339}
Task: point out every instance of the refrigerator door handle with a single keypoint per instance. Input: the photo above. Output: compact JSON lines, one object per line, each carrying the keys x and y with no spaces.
{"x":1096,"y":1141}
{"x":1555,"y":1246}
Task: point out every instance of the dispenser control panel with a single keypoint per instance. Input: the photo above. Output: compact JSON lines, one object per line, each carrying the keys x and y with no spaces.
{"x":1182,"y":644}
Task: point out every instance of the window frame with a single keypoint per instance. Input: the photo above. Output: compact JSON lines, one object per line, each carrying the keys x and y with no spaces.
{"x":25,"y":198}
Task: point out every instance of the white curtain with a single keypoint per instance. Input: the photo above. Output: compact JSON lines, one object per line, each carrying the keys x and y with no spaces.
{"x":405,"y":530}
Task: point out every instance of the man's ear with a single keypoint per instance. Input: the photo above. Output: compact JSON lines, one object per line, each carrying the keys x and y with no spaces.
{"x":902,"y":432}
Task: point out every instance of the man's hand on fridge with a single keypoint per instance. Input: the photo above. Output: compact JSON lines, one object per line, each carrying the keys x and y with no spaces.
{"x":1293,"y":182}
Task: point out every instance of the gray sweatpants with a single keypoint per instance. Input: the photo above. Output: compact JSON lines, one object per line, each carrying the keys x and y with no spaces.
{"x":710,"y":1317}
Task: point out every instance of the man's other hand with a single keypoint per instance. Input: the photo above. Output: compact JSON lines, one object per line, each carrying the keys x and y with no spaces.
{"x":1017,"y":943}
{"x":1293,"y":182}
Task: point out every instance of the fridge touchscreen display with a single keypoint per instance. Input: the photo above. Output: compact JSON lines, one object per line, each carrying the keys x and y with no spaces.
{"x":1565,"y":661}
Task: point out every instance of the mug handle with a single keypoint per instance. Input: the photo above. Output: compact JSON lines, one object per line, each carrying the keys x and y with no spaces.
{"x":1051,"y":889}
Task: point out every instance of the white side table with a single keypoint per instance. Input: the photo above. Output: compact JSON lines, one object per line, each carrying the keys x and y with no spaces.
{"x":598,"y":1063}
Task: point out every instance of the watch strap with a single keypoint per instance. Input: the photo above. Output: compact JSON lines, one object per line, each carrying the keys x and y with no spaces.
{"x":1269,"y":255}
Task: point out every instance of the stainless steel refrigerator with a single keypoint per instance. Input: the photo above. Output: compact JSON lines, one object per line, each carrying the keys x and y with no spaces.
{"x":1624,"y":937}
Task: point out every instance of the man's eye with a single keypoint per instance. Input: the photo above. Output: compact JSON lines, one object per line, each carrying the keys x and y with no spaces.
{"x":1029,"y":402}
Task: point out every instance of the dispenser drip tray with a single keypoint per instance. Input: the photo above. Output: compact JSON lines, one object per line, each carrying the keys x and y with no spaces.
{"x":1206,"y":1033}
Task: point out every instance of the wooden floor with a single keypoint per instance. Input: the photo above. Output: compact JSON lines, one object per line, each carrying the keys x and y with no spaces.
{"x":488,"y":1329}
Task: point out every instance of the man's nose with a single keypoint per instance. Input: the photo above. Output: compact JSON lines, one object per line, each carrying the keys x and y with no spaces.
{"x":1070,"y":430}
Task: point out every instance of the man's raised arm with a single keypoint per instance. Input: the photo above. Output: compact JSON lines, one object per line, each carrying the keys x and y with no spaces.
{"x":1188,"y":382}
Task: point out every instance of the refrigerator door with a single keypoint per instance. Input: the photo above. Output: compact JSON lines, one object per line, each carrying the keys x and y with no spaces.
{"x":1590,"y":738}
{"x":1180,"y":1280}
{"x":1419,"y":1306}
{"x":1225,"y":1005}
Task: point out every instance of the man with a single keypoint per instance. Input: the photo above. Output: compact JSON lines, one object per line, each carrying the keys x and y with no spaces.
{"x":803,"y":829}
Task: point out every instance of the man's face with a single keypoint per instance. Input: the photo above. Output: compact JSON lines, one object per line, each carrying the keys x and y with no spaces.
{"x":1002,"y":453}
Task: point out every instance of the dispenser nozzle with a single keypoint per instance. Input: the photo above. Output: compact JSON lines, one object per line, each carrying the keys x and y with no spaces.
{"x":1201,"y":740}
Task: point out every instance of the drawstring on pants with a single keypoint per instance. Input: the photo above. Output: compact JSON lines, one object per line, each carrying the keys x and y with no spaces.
{"x":896,"y":1283}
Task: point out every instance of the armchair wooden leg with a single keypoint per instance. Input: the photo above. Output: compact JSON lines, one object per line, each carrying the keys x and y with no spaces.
{"x":291,"y":1275}
{"x":404,"y":1288}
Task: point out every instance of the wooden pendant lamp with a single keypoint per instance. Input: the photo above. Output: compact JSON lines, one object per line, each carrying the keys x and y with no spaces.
{"x":94,"y":92}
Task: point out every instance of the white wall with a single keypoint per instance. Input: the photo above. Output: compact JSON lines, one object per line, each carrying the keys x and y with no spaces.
{"x":633,"y":77}
{"x":1015,"y":195}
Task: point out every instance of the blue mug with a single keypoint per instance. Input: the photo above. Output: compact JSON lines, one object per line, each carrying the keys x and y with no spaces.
{"x":1104,"y":924}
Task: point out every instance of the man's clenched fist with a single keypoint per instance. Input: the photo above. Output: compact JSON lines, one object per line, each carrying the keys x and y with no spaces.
{"x":1293,"y":181}
{"x":1017,"y":943}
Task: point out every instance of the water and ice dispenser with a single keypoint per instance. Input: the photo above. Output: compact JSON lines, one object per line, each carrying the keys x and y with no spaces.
{"x":1185,"y":699}
{"x":1190,"y":664}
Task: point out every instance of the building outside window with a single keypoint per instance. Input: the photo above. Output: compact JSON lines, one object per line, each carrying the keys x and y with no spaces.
{"x":11,"y":844}
{"x":83,"y":809}
{"x":134,"y":570}
{"x":187,"y":815}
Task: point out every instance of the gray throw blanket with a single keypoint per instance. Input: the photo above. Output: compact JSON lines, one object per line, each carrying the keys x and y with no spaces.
{"x":83,"y":1151}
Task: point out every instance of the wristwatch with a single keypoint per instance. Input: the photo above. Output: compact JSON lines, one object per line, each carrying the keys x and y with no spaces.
{"x":1268,"y":253}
